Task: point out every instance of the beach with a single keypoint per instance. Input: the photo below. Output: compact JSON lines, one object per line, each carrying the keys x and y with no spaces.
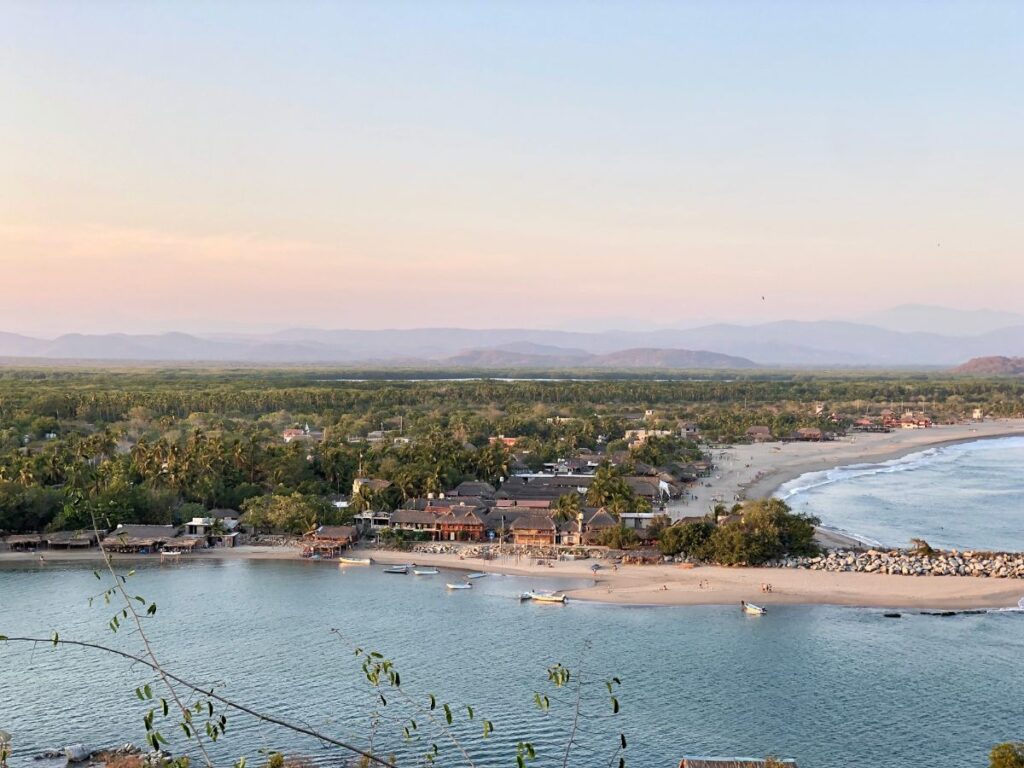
{"x":757,"y":470}
{"x":669,"y":584}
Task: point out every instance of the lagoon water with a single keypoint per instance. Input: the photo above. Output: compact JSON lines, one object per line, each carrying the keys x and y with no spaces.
{"x":969,"y":495}
{"x":832,"y":687}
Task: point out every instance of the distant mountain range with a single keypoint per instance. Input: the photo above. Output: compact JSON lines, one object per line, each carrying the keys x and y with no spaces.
{"x":993,"y":366}
{"x":786,"y":343}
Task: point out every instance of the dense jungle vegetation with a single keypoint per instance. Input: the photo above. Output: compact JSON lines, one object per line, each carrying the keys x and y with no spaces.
{"x":135,"y":445}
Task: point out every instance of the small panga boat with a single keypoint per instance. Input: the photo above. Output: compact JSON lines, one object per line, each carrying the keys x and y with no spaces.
{"x":353,"y":561}
{"x":459,"y":586}
{"x":476,"y":575}
{"x":753,"y":610}
{"x":547,"y":597}
{"x":397,"y":569}
{"x":425,"y":571}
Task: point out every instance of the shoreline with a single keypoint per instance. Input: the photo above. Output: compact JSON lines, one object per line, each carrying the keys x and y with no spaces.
{"x":649,"y":585}
{"x":769,"y":484}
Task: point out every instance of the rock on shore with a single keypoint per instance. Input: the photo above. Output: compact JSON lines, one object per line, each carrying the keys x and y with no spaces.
{"x":993,"y":565}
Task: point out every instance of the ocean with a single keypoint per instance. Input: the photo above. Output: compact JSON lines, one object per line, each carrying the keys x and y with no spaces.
{"x":962,"y":496}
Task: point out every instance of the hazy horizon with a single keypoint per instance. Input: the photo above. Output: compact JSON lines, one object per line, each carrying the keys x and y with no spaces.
{"x":229,"y":168}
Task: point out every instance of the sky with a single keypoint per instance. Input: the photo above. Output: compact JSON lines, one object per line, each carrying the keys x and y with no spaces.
{"x":229,"y":166}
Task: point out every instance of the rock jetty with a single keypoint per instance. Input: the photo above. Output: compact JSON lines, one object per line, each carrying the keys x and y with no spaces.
{"x":992,"y":565}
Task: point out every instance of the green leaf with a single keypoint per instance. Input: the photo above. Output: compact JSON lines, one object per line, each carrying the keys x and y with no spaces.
{"x":622,"y":740}
{"x":165,"y":707}
{"x":469,"y":710}
{"x":433,"y":701}
{"x":138,"y":693}
{"x":488,"y":728}
{"x":448,"y":714}
{"x":97,"y":575}
{"x":151,"y":610}
{"x":140,"y":599}
{"x":615,"y":705}
{"x":146,"y":689}
{"x":3,"y":637}
{"x":56,"y":639}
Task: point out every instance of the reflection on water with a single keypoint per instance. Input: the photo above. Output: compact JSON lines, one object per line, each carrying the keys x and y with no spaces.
{"x":825,"y":685}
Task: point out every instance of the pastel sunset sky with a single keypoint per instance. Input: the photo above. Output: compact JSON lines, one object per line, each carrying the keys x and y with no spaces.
{"x":255,"y":165}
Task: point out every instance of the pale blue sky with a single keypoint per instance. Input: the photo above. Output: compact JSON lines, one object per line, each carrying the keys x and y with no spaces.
{"x":199,"y":166}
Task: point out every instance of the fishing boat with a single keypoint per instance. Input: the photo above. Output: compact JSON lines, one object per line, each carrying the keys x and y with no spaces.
{"x":425,"y":571}
{"x":547,"y":597}
{"x":476,"y":575}
{"x":397,"y":569}
{"x":753,"y":610}
{"x":353,"y":561}
{"x":459,"y":586}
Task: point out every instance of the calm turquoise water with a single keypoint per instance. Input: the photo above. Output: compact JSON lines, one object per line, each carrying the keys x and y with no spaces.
{"x":969,"y":495}
{"x":829,"y":686}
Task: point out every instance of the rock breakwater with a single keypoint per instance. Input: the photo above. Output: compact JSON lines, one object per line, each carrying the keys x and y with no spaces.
{"x":993,"y":565}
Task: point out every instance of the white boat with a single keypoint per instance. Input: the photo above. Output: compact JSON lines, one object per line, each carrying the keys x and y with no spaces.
{"x":526,"y":596}
{"x":425,"y":571}
{"x":753,"y":610}
{"x":547,"y":597}
{"x":459,"y":586}
{"x":397,"y":569}
{"x":476,"y":575}
{"x":353,"y":561}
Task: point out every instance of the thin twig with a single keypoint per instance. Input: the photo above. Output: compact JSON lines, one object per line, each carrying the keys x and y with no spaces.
{"x":119,"y":585}
{"x":207,"y":693}
{"x":442,"y":727}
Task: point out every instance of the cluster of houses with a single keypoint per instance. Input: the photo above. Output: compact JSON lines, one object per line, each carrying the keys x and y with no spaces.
{"x":886,"y":421}
{"x":218,"y":528}
{"x":523,"y":511}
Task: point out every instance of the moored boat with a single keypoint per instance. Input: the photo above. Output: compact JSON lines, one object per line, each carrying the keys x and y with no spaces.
{"x":476,"y":575}
{"x":397,"y":569}
{"x":547,"y":597}
{"x":459,"y":586}
{"x":353,"y":561}
{"x":425,"y":571}
{"x":753,"y":610}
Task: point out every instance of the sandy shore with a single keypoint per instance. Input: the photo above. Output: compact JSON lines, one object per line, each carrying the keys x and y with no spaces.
{"x":712,"y":585}
{"x":653,"y":584}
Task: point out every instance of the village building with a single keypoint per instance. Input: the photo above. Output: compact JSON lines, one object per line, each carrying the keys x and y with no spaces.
{"x":462,"y":524}
{"x":372,"y":484}
{"x":760,"y":434}
{"x":140,"y":539}
{"x":330,"y":540}
{"x":533,"y":531}
{"x":808,"y":434}
{"x":305,"y":434}
{"x":71,"y":539}
{"x":637,"y":437}
{"x":372,"y":520}
{"x":25,"y":542}
{"x":416,"y":520}
{"x":508,"y":442}
{"x":473,"y":488}
{"x":688,"y":430}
